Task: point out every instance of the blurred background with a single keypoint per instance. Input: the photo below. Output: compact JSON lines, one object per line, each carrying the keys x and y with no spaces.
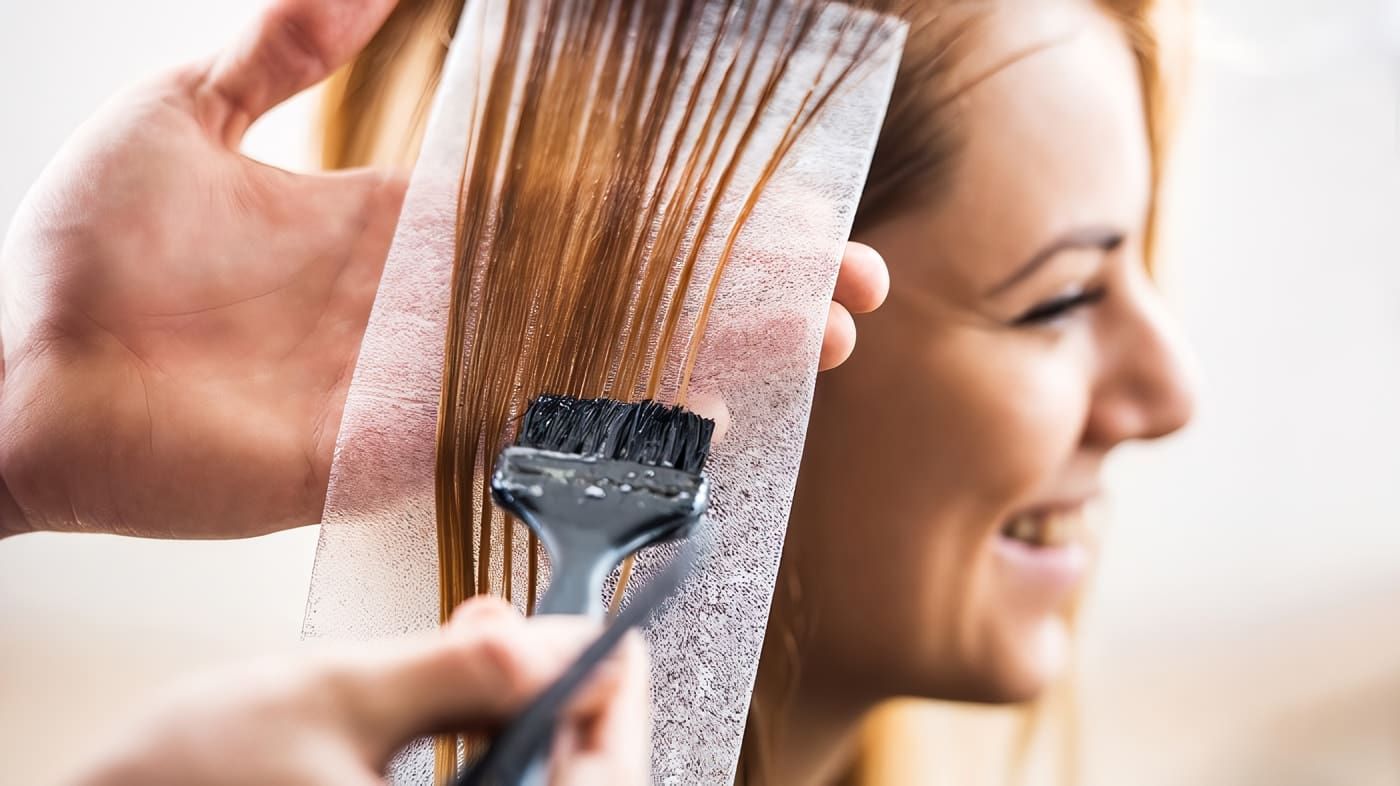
{"x":1245,"y":628}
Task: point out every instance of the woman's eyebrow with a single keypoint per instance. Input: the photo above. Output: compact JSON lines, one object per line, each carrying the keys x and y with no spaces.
{"x":1100,"y":237}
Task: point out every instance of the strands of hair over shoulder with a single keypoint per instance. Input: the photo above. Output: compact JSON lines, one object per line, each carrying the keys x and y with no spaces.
{"x":609,"y":141}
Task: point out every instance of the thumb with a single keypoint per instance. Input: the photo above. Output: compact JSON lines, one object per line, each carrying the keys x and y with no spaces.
{"x":292,"y":46}
{"x":474,"y":673}
{"x":611,"y":741}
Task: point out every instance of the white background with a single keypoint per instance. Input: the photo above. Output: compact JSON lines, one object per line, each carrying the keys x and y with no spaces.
{"x":1246,"y":626}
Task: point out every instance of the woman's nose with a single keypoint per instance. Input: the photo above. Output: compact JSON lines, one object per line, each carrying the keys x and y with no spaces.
{"x":1146,"y":387}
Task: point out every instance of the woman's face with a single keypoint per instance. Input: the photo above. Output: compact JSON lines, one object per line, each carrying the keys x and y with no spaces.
{"x":936,"y":534}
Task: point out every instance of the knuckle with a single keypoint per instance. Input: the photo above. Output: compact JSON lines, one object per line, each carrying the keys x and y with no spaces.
{"x":481,"y":609}
{"x":336,"y":683}
{"x":300,"y":43}
{"x":496,"y":650}
{"x":345,"y":689}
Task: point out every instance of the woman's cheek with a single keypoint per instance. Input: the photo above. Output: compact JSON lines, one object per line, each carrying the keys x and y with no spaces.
{"x":1027,"y":407}
{"x":1051,"y":414}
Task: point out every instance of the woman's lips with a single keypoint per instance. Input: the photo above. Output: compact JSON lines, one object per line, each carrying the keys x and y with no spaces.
{"x":1043,"y":555}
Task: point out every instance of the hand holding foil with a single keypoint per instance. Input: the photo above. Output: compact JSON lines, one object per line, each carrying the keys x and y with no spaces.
{"x":180,"y":322}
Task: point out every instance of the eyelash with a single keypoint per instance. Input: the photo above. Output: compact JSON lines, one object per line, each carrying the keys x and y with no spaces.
{"x":1051,"y":310}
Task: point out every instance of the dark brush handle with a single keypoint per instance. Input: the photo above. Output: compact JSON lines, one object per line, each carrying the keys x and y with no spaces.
{"x":575,"y":587}
{"x":520,"y":755}
{"x":576,"y":583}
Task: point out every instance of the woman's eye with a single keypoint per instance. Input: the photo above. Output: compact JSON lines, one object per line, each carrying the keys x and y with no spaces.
{"x":1054,"y":309}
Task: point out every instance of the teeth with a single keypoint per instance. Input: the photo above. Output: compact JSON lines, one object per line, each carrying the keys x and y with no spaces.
{"x":1045,"y":530}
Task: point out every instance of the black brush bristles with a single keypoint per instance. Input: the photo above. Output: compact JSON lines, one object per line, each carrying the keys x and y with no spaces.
{"x":645,"y":432}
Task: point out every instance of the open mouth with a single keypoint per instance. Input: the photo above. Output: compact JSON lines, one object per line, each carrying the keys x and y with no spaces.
{"x":1046,"y":529}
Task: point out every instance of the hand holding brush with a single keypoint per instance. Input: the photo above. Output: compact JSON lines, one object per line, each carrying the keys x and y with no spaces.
{"x":335,"y":713}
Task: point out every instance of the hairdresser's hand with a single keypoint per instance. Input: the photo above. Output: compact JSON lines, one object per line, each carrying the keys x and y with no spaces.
{"x":180,"y":322}
{"x":336,"y":718}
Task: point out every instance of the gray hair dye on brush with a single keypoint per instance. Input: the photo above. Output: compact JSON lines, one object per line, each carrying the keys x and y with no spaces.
{"x":613,"y":199}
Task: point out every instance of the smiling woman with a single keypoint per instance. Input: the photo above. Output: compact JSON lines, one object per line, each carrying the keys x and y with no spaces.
{"x":1013,"y":194}
{"x":1251,"y":569}
{"x":1023,"y":341}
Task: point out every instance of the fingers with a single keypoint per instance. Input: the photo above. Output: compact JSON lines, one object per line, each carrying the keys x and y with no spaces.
{"x":864,"y":281}
{"x":483,"y":667}
{"x":861,"y":286}
{"x":292,"y":46}
{"x":621,"y":677}
{"x":839,"y":340}
{"x":609,"y":741}
{"x":711,"y":404}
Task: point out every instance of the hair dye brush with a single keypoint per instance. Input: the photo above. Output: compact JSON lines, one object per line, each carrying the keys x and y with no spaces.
{"x":515,"y":756}
{"x":598,"y":480}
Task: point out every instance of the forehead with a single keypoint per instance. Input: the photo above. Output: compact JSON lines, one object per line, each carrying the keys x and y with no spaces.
{"x":1053,"y":136}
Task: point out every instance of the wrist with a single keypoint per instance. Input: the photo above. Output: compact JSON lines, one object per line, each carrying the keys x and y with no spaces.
{"x":12,"y":519}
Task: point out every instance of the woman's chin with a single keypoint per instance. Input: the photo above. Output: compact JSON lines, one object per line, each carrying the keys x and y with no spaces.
{"x":1031,"y":660}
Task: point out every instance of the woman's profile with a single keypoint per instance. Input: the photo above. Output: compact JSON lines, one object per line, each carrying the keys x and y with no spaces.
{"x":1013,"y":194}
